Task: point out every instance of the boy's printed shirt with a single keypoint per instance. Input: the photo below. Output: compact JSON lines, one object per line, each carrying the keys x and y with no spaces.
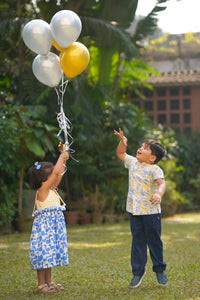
{"x":142,"y":185}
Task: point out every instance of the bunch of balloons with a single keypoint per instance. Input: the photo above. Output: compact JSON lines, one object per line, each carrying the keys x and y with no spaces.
{"x":62,"y":32}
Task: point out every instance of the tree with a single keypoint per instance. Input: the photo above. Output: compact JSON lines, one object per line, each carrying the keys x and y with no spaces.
{"x":90,"y":98}
{"x":24,"y":138}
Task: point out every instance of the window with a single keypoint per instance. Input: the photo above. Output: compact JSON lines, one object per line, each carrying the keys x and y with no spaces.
{"x":186,"y":103}
{"x":161,"y":105}
{"x":186,"y":91}
{"x":175,"y":119}
{"x":148,"y":105}
{"x":137,"y":103}
{"x":187,"y":118}
{"x":148,"y":93}
{"x":174,"y":91}
{"x":187,"y":130}
{"x":174,"y":104}
{"x":134,"y":95}
{"x":161,"y":92}
{"x":151,"y":117}
{"x":162,"y":119}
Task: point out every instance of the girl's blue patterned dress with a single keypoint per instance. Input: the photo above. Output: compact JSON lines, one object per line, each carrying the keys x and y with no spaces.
{"x":48,"y":242}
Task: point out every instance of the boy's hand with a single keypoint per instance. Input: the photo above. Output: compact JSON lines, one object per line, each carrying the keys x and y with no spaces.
{"x":120,"y":134}
{"x":155,"y":199}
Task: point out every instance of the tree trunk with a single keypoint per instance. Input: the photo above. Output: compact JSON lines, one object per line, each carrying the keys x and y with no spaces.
{"x":20,"y":191}
{"x":82,"y":187}
{"x":67,"y":187}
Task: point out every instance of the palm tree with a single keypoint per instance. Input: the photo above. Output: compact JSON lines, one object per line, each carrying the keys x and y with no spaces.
{"x":105,"y":34}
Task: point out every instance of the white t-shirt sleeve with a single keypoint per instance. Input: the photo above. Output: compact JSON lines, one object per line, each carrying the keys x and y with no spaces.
{"x":129,"y":160}
{"x":158,"y":173}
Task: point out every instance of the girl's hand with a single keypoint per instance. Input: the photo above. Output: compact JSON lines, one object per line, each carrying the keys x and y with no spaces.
{"x":65,"y":155}
{"x":120,"y":134}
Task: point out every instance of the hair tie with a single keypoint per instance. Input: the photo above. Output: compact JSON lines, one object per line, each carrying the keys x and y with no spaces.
{"x":37,"y":165}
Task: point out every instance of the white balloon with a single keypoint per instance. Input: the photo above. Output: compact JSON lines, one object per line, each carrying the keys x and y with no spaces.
{"x":37,"y":36}
{"x":65,"y":27}
{"x":47,"y":69}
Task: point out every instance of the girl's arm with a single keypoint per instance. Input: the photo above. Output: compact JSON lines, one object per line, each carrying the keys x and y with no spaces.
{"x":54,"y":178}
{"x":121,"y":148}
{"x":60,"y":175}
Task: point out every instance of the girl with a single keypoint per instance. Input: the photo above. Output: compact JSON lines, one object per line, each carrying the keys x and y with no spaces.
{"x":48,"y":242}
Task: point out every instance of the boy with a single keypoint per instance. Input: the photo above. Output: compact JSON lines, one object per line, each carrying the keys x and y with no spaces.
{"x":146,"y":187}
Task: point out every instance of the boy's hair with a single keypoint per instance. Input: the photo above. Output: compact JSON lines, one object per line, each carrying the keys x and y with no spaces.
{"x":39,"y":173}
{"x":156,"y":149}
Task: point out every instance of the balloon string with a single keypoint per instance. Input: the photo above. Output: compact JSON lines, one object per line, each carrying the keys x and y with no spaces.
{"x":63,"y":121}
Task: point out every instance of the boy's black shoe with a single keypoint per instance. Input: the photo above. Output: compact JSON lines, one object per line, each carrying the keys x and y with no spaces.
{"x":161,"y":278}
{"x":136,"y":280}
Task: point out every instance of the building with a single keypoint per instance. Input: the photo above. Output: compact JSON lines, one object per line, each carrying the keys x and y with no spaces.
{"x":175,"y":100}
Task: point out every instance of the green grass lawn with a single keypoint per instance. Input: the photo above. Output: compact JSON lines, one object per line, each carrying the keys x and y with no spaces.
{"x":99,"y":257}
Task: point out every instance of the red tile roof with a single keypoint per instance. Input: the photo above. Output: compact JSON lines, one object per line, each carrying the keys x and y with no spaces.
{"x":178,"y":78}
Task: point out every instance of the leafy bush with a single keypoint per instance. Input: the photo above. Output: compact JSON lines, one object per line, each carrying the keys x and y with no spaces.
{"x":173,"y":201}
{"x":7,"y":202}
{"x":9,"y":146}
{"x":23,"y":137}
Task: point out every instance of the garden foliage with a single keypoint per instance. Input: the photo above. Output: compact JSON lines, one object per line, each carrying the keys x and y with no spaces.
{"x":96,"y":102}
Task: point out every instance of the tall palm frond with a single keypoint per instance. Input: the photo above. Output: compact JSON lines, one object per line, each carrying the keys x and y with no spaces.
{"x":106,"y":34}
{"x":147,"y":25}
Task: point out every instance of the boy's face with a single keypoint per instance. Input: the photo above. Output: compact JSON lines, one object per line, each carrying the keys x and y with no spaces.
{"x":144,"y":154}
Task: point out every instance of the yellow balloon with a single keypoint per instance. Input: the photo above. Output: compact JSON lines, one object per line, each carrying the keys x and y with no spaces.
{"x":55,"y":44}
{"x":74,"y":59}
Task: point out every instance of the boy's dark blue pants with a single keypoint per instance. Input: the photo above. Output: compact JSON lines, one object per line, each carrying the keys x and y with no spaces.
{"x":146,"y":230}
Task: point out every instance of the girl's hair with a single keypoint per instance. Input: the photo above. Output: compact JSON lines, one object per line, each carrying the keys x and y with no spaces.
{"x":39,"y":173}
{"x":156,"y":149}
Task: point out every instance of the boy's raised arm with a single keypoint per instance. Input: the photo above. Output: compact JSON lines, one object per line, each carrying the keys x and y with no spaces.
{"x":121,"y":148}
